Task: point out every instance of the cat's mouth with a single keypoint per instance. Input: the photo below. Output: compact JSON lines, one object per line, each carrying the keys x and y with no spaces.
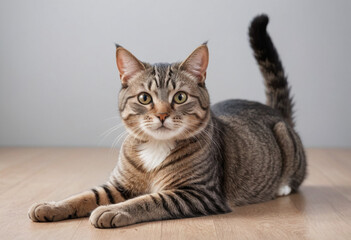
{"x":162,"y":128}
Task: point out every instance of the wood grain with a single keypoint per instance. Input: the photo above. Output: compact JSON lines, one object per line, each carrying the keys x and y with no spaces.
{"x":321,"y":210}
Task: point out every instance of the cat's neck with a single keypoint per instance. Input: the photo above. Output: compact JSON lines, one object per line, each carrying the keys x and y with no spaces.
{"x":153,"y":152}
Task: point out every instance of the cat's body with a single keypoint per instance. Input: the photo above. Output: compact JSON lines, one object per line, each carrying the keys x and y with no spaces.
{"x":184,"y":158}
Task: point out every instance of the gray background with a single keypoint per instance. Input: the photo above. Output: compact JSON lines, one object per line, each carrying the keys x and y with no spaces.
{"x":59,"y":82}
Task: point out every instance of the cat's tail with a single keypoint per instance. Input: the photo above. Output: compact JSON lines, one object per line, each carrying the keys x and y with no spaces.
{"x":277,"y":89}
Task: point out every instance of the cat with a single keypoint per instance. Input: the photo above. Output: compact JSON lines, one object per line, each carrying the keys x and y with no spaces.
{"x":185,"y":158}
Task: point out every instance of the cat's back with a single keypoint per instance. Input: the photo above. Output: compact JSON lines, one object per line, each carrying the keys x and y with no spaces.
{"x":246,"y":110}
{"x":247,"y":123}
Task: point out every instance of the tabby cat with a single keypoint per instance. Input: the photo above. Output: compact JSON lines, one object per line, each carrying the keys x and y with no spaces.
{"x":185,"y":158}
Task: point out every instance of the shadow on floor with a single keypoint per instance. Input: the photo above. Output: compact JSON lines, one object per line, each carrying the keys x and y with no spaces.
{"x":315,"y":200}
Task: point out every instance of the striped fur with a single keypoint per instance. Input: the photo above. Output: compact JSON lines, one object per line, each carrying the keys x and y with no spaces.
{"x":198,"y":160}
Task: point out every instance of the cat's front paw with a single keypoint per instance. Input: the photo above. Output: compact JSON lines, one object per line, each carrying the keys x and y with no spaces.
{"x":110,"y":217}
{"x":47,"y":212}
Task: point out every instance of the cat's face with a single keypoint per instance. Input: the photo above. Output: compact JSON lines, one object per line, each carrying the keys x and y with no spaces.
{"x":164,"y":101}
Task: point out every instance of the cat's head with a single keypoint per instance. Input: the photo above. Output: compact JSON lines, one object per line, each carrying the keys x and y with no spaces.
{"x":164,"y":101}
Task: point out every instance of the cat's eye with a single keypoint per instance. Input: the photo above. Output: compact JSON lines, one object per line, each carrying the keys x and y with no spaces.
{"x":144,"y":98}
{"x":180,"y":97}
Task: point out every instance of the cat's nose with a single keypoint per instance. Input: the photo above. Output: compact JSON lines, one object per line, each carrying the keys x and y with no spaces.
{"x":162,"y":116}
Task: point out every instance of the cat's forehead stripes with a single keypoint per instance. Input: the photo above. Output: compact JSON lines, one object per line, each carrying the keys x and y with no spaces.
{"x":161,"y":74}
{"x":162,"y":77}
{"x":161,"y":80}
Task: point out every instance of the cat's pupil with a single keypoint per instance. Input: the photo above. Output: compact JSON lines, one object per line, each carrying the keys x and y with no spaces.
{"x":145,"y":97}
{"x":180,"y":97}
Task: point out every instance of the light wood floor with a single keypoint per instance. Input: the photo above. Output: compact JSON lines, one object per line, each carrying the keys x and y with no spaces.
{"x":321,"y":210}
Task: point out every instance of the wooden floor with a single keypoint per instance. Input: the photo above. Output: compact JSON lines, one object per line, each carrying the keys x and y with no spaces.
{"x":321,"y":210}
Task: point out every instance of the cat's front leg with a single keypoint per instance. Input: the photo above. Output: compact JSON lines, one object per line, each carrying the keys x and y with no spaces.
{"x":168,"y":204}
{"x":79,"y":205}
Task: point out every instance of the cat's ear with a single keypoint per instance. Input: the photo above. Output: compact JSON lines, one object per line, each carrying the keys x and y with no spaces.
{"x":197,"y":62}
{"x":127,"y":64}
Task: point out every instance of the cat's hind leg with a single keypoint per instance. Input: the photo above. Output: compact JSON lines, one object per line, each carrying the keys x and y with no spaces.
{"x":79,"y":205}
{"x":287,"y":149}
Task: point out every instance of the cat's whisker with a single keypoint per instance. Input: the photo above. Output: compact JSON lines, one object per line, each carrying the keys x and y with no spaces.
{"x":104,"y":135}
{"x":110,"y":118}
{"x":208,"y":139}
{"x":112,"y":129}
{"x":113,"y":150}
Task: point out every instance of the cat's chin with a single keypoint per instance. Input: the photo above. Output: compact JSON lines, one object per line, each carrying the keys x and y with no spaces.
{"x":164,"y":133}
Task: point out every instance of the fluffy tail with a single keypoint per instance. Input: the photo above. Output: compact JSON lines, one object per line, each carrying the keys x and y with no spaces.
{"x":277,"y":89}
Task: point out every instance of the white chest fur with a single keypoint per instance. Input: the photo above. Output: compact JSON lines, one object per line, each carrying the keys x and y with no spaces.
{"x":154,"y":152}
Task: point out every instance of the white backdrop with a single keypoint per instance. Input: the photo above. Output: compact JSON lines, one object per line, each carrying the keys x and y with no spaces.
{"x":59,"y":82}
